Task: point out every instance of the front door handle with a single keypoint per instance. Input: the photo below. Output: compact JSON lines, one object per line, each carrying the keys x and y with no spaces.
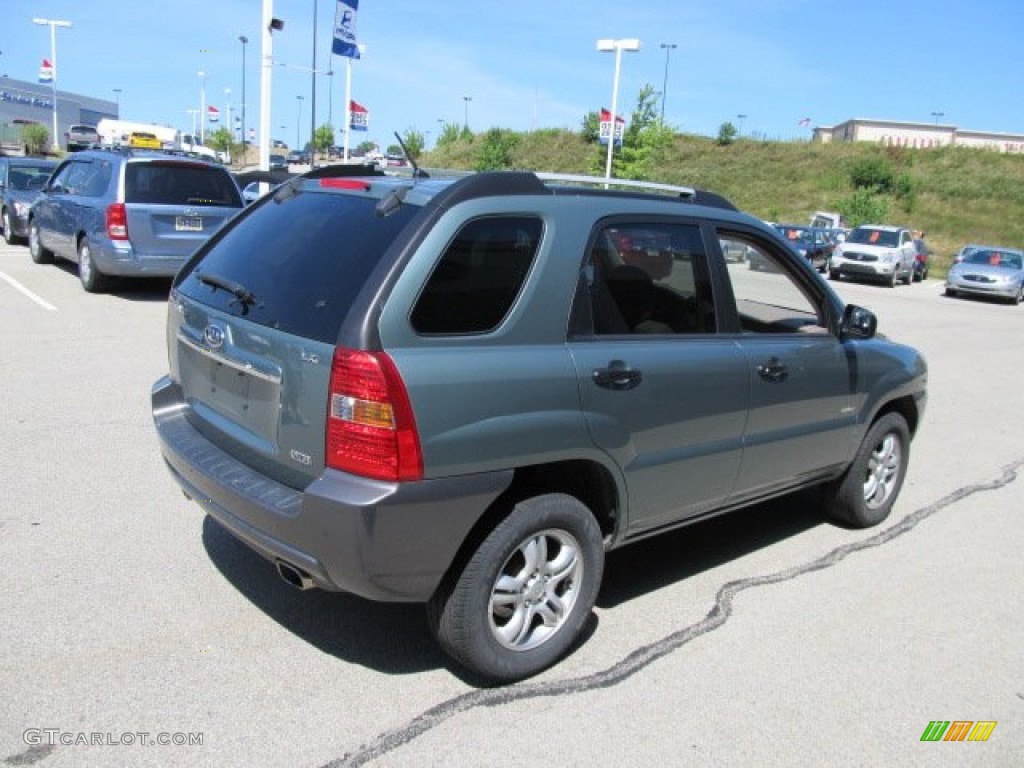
{"x":617,"y":375}
{"x":774,"y":370}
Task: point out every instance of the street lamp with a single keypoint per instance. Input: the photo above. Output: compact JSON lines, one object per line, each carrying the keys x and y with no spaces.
{"x":202,"y":107}
{"x":937,"y":115}
{"x":606,"y":45}
{"x":243,"y":40}
{"x":465,"y":121}
{"x":298,"y":125}
{"x":117,"y":95}
{"x":330,"y":99}
{"x":669,"y":47}
{"x":53,"y":24}
{"x":741,"y":118}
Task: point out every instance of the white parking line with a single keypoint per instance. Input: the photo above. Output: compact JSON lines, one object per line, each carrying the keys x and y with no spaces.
{"x":26,"y":292}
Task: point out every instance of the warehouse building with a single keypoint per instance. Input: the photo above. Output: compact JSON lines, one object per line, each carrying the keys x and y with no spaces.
{"x":895,"y":133}
{"x":23,"y":103}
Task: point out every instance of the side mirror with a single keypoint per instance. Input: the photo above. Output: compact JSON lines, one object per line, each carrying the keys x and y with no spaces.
{"x":858,"y":323}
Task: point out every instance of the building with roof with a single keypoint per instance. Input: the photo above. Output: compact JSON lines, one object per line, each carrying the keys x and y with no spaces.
{"x":896,"y":133}
{"x":23,"y":103}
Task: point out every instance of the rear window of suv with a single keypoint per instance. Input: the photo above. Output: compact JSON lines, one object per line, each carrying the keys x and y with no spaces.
{"x":304,"y":259}
{"x":175,"y":183}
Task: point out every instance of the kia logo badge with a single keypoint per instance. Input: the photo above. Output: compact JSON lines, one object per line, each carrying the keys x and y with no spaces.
{"x":214,"y":336}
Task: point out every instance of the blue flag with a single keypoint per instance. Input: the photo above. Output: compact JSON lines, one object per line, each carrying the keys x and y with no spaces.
{"x":345,"y":29}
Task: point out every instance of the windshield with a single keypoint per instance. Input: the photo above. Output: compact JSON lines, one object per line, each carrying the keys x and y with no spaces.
{"x":28,"y":177}
{"x":994,"y":258}
{"x":869,"y":236}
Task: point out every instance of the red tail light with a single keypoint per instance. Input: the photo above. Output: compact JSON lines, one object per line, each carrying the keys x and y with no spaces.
{"x":117,"y":222}
{"x":371,"y":430}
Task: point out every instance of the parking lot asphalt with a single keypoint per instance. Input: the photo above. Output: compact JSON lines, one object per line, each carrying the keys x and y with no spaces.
{"x":765,"y":637}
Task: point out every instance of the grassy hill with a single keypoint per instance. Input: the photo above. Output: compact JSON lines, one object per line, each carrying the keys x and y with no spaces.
{"x":959,"y":195}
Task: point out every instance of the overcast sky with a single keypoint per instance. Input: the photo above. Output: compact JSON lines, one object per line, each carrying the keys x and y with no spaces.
{"x":533,"y":64}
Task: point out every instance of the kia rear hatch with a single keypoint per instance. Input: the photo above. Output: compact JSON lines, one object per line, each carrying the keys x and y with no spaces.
{"x":254,"y":318}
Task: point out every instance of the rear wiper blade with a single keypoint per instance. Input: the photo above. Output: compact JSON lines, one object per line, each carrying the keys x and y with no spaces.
{"x":239,"y":291}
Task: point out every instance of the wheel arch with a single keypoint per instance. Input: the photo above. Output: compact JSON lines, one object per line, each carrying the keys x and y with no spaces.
{"x":906,"y":407}
{"x":587,"y":481}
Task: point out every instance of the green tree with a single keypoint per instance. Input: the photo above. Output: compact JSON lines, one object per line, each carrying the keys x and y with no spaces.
{"x":222,"y":141}
{"x":35,"y":138}
{"x":414,"y":143}
{"x":874,"y":173}
{"x":323,"y":138}
{"x":496,"y":151}
{"x":726,"y":134}
{"x":863,"y":206}
{"x":450,"y":133}
{"x":644,"y":142}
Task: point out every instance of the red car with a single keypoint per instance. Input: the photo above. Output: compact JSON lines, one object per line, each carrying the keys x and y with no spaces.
{"x":922,"y":259}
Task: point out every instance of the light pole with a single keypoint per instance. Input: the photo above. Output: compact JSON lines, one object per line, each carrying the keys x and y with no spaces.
{"x":53,"y":24}
{"x":330,"y":100}
{"x":117,"y":96}
{"x":243,"y":40}
{"x":465,"y":122}
{"x":312,"y":86}
{"x":227,"y":109}
{"x":937,"y":115}
{"x":669,"y":47}
{"x":741,"y":118}
{"x":202,"y":107}
{"x":298,"y":125}
{"x":617,"y":46}
{"x":193,"y":112}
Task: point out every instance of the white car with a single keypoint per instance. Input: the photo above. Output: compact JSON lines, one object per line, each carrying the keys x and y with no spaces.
{"x":875,"y":252}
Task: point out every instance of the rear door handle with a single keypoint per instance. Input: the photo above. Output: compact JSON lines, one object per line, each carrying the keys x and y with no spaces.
{"x":617,"y":376}
{"x":774,"y":370}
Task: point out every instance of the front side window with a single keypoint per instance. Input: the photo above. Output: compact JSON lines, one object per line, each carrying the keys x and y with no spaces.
{"x":480,"y":275}
{"x":649,"y":278}
{"x":770,"y":298}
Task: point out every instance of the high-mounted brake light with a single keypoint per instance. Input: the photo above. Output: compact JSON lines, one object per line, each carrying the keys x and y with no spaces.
{"x":345,"y":184}
{"x":371,"y":430}
{"x":117,"y":221}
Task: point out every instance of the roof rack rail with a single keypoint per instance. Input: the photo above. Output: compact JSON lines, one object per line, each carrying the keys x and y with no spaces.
{"x":650,"y":186}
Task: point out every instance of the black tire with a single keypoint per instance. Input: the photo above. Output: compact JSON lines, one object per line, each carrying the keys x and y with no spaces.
{"x":864,"y":495}
{"x":93,"y":281}
{"x":951,"y":292}
{"x":833,"y":274}
{"x":893,"y":279}
{"x":909,"y":277}
{"x":39,"y":254}
{"x":5,"y":223}
{"x":513,"y":631}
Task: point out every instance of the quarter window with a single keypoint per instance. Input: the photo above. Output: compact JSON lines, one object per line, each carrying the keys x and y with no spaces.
{"x":476,"y":282}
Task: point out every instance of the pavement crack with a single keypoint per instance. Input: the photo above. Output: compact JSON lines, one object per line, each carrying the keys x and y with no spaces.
{"x":645,"y":655}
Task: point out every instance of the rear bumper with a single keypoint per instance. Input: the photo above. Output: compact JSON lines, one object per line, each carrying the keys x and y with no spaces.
{"x":382,"y":541}
{"x":124,"y":261}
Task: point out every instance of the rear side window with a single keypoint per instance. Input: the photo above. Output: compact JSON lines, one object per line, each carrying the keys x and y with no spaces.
{"x":479,"y":276}
{"x":172,"y":183}
{"x":304,"y":259}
